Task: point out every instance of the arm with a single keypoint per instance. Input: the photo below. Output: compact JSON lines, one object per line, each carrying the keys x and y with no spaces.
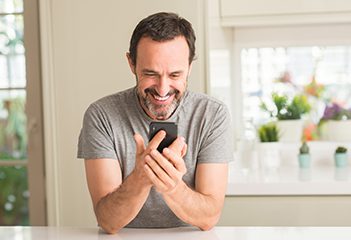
{"x":116,"y":203}
{"x":200,"y":207}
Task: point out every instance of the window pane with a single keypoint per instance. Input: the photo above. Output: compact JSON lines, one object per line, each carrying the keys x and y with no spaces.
{"x":11,"y":6}
{"x":3,"y":71}
{"x":13,"y":136}
{"x":17,"y":74}
{"x":14,"y":196}
{"x":12,"y":61}
{"x":291,"y":71}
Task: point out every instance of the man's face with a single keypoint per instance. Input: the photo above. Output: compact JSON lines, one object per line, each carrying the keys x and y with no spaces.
{"x":161,"y":71}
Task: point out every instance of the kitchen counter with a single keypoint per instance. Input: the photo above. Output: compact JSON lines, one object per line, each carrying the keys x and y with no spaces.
{"x":217,"y":233}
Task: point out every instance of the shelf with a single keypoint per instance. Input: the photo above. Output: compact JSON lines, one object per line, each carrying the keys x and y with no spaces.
{"x":252,"y":177}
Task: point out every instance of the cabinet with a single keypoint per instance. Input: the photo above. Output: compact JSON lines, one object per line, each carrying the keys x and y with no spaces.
{"x":275,"y":12}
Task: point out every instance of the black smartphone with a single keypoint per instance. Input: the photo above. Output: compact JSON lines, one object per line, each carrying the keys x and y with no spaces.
{"x":171,"y":133}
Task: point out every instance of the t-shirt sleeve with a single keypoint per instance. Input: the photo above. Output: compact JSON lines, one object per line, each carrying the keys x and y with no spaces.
{"x":96,"y":136}
{"x":218,"y":145}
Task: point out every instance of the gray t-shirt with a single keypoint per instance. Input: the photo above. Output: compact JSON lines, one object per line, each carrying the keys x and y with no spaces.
{"x":110,"y":123}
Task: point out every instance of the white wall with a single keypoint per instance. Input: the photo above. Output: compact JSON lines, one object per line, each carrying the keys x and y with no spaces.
{"x":83,"y":54}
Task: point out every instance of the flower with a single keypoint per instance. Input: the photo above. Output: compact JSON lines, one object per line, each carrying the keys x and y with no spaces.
{"x":314,"y":89}
{"x":336,"y":112}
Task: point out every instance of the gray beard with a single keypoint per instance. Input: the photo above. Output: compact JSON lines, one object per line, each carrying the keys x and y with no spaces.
{"x":155,"y":110}
{"x":160,"y":115}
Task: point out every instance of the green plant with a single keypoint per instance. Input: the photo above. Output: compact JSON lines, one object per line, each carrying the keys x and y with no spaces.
{"x":268,"y":132}
{"x":286,"y":109}
{"x":341,"y":149}
{"x":13,"y":130}
{"x":13,"y":180}
{"x":304,"y":149}
{"x":14,"y":196}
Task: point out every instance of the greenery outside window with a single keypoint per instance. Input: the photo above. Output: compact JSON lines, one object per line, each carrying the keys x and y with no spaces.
{"x":14,"y":192}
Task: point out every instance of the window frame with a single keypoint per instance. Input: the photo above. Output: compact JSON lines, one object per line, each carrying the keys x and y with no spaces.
{"x":34,"y":112}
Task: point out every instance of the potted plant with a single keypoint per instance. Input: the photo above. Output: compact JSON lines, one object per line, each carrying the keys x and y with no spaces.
{"x":288,"y":112}
{"x":268,"y":132}
{"x":340,"y":156}
{"x":268,"y":149}
{"x":335,"y":124}
{"x":304,"y":156}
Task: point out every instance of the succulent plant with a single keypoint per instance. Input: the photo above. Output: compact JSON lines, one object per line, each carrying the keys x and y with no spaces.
{"x":341,"y":149}
{"x":268,"y":132}
{"x":304,"y":149}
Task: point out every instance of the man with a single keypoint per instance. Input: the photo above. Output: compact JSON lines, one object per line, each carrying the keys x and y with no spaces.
{"x":130,"y":182}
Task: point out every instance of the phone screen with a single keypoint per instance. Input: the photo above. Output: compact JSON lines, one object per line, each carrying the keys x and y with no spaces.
{"x":171,"y":133}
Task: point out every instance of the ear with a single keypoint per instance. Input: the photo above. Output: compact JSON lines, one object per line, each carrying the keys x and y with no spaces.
{"x":130,"y":62}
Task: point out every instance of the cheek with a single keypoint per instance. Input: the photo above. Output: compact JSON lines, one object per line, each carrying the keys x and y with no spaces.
{"x":180,"y":85}
{"x":145,"y":83}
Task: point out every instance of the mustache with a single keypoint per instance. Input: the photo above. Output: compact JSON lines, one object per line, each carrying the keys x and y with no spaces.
{"x":153,"y":91}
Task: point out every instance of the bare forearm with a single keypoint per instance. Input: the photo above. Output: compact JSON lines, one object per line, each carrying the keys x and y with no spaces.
{"x":118,"y":208}
{"x":193,"y":207}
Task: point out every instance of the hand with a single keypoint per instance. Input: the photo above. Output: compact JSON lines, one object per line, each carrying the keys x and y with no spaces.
{"x":179,"y":146}
{"x":142,"y":152}
{"x":165,"y":170}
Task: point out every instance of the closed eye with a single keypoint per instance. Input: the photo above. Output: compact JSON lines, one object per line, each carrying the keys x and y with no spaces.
{"x":149,"y":73}
{"x":175,"y":75}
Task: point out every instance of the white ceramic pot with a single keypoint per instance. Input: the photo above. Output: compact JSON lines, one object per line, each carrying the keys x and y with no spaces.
{"x":290,"y":130}
{"x":269,"y":155}
{"x":338,"y":131}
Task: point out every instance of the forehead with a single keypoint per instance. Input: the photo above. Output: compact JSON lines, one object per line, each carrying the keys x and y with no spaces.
{"x":175,"y":50}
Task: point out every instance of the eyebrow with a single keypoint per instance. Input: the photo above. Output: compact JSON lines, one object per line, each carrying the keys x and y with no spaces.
{"x":148,"y":71}
{"x":155,"y":72}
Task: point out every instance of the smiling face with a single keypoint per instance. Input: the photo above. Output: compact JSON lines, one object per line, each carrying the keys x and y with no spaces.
{"x":161,"y":70}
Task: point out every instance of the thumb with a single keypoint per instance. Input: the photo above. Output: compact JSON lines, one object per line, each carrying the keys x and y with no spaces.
{"x":139,"y":141}
{"x":185,"y":148}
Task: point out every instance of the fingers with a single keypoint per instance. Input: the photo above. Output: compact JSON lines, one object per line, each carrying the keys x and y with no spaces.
{"x":185,"y":148}
{"x":157,"y":139}
{"x":160,"y":186}
{"x":175,"y":159}
{"x":165,"y":165}
{"x":140,"y":146}
{"x":178,"y":145}
{"x":162,"y":171}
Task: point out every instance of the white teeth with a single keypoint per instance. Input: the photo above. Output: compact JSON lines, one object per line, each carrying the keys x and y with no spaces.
{"x":161,"y":98}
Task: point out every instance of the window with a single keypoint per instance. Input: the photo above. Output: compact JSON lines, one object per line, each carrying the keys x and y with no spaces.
{"x":13,"y":136}
{"x":261,"y":59}
{"x":323,"y":73}
{"x":21,"y":161}
{"x":281,"y":59}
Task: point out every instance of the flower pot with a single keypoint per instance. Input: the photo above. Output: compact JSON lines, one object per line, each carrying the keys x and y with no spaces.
{"x":341,"y":159}
{"x":304,"y":160}
{"x":333,"y":130}
{"x":269,"y":155}
{"x":290,"y":130}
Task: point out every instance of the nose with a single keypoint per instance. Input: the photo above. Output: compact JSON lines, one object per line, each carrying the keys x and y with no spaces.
{"x":163,"y":86}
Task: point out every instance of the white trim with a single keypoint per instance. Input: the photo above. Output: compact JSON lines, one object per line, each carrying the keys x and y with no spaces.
{"x":237,"y":13}
{"x":283,"y":20}
{"x":49,"y":107}
{"x":206,"y":51}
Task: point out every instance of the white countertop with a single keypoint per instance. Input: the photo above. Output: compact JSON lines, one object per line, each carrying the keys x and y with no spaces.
{"x":217,"y":233}
{"x":248,"y":175}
